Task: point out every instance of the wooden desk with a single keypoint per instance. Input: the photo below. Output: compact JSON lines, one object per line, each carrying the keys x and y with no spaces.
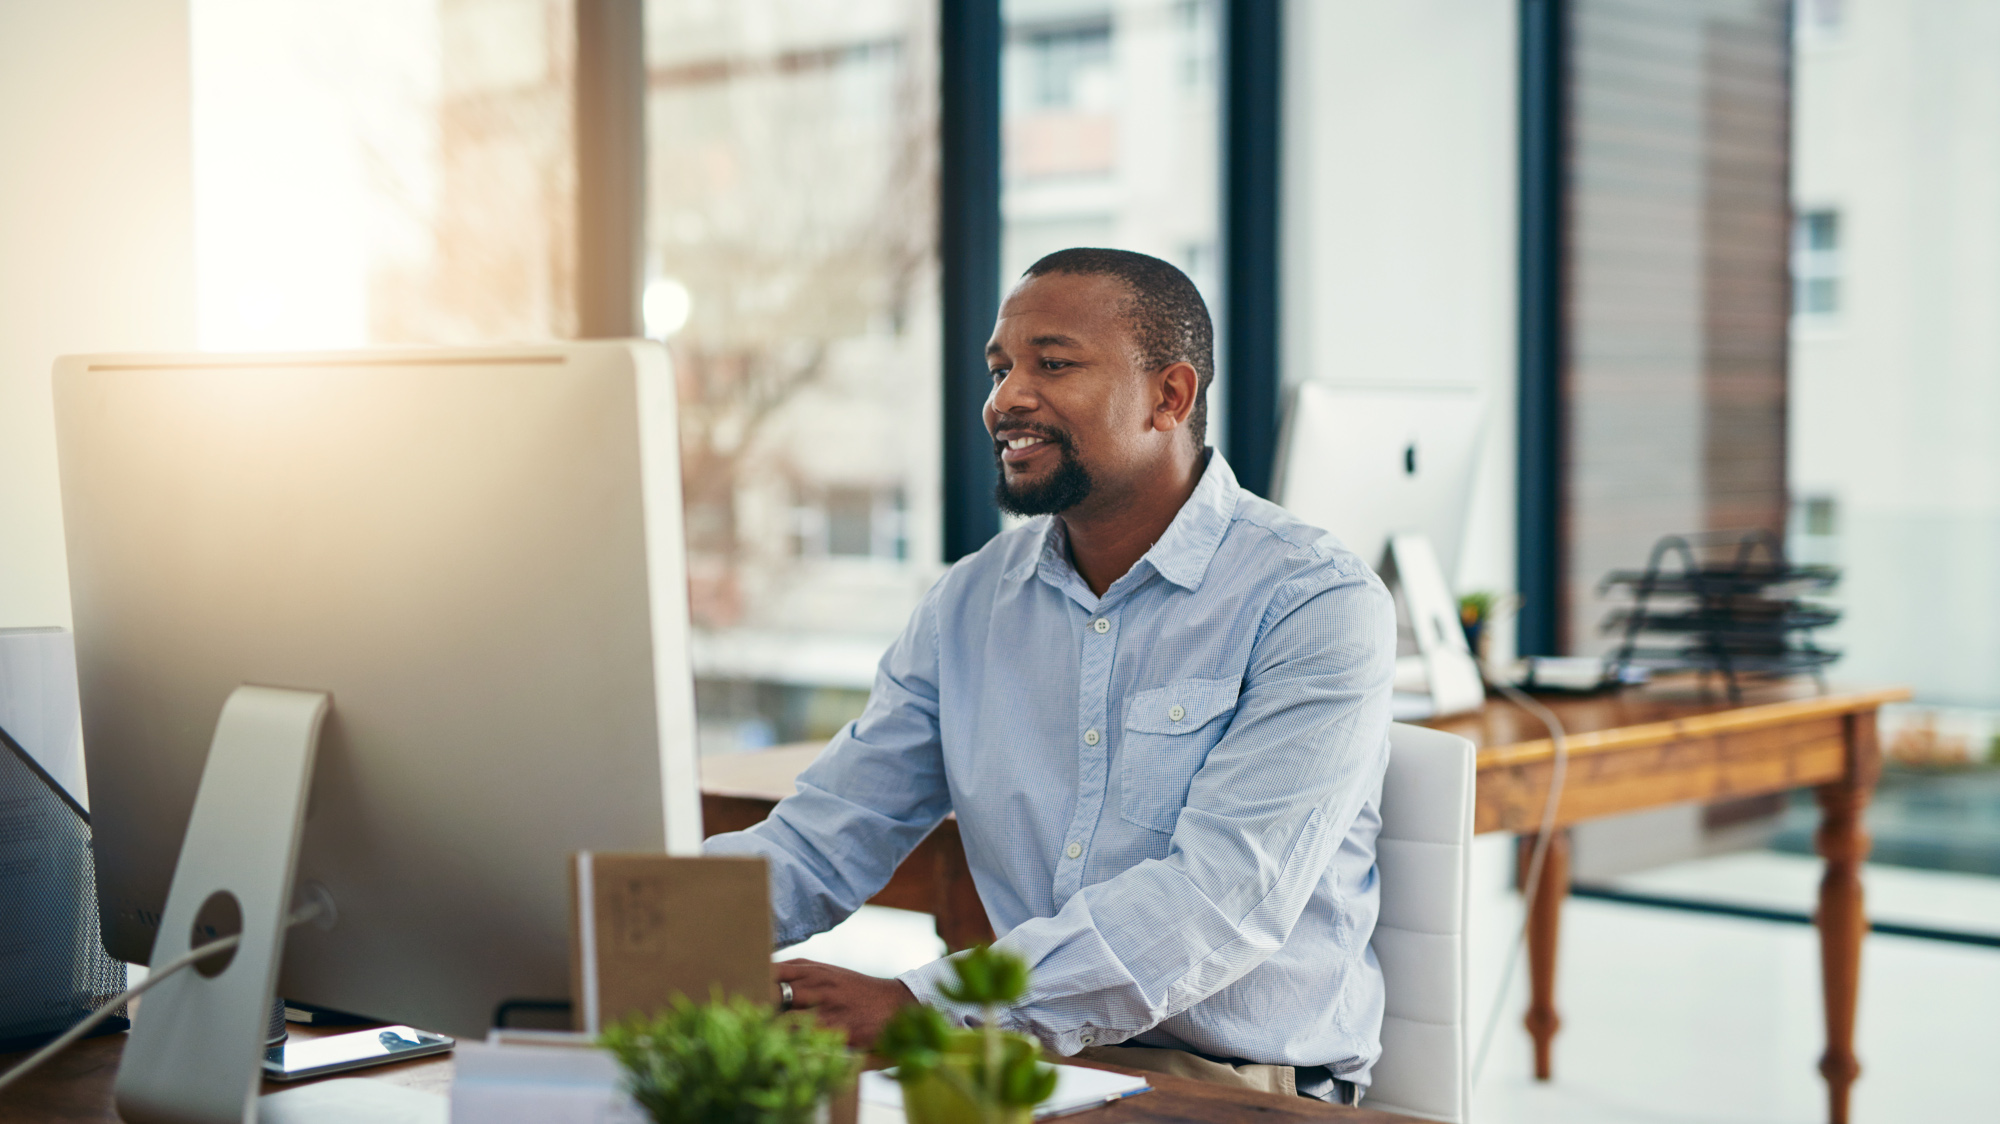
{"x":1666,"y":744}
{"x":76,"y":1087}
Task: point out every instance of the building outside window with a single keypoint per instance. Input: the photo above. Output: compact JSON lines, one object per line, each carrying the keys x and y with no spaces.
{"x":1816,"y":280}
{"x":1812,"y":534}
{"x":1894,"y":441}
{"x":1110,"y":132}
{"x":1067,"y":68}
{"x":1820,"y":23}
{"x":792,"y":271}
{"x":850,"y":522}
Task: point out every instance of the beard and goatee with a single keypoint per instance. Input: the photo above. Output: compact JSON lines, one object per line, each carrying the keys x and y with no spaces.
{"x":1059,"y":491}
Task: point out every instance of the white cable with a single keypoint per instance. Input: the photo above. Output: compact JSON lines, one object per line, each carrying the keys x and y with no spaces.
{"x":69,"y":1037}
{"x":1558,"y":771}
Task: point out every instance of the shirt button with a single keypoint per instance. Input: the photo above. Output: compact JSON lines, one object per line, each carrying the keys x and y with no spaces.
{"x":1073,"y":850}
{"x":1177,"y":712}
{"x":1090,"y":737}
{"x":1101,"y":625}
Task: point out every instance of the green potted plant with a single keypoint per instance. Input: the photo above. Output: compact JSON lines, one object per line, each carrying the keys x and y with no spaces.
{"x":730,"y":1061}
{"x":952,"y":1075}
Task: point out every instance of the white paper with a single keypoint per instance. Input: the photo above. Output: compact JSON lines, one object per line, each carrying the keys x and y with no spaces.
{"x":1077,"y":1088}
{"x":539,"y":1085}
{"x":346,"y":1099}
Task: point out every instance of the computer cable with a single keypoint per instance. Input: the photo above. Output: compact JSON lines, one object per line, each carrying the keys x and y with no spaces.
{"x":308,"y":912}
{"x":1559,"y":769}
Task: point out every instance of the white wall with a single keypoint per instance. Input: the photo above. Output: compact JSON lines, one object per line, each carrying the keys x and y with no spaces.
{"x":96,"y":238}
{"x":1400,"y":217}
{"x":1399,"y":259}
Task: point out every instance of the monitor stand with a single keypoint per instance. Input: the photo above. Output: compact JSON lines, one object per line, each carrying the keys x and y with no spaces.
{"x":1452,"y":683}
{"x":196,"y":1051}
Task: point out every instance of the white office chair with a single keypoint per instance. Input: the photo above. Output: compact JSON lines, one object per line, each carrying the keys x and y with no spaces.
{"x":1424,"y":860}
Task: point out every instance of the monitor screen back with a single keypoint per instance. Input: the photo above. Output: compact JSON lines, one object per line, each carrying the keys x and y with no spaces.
{"x":477,"y":554}
{"x":1369,"y":462}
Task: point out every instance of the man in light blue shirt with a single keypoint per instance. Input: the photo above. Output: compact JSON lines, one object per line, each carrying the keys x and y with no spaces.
{"x":1159,"y":711}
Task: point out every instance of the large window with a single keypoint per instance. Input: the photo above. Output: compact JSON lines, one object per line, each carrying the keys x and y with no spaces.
{"x":1895,"y":418}
{"x":792,"y":270}
{"x":404,"y":171}
{"x":382,"y":171}
{"x":1673,"y":360}
{"x":1110,"y":132}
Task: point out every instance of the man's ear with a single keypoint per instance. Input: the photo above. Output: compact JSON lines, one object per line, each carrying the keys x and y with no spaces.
{"x":1178,"y":389}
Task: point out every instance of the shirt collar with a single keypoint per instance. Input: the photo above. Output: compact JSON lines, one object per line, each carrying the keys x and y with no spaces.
{"x":1181,"y":556}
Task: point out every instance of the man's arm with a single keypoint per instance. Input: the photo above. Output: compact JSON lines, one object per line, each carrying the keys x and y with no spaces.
{"x":865,"y":803}
{"x":1271,"y":804}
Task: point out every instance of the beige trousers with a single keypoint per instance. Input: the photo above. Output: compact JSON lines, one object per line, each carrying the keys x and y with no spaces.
{"x":1179,"y":1063}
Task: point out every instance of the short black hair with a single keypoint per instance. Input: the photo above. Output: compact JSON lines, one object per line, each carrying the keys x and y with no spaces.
{"x":1168,"y":317}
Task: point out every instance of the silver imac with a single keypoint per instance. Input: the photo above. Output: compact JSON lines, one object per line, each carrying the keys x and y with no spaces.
{"x":395,"y":631}
{"x":1388,"y":470}
{"x":1369,"y":462}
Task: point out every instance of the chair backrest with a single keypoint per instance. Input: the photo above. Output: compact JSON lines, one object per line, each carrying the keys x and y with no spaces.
{"x":1423,"y":858}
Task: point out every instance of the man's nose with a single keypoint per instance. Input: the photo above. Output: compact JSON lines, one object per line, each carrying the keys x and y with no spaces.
{"x":1011,"y":395}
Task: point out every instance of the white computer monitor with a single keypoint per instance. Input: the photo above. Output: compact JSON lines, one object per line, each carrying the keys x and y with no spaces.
{"x":476,"y":554}
{"x":1369,"y":462}
{"x":1388,"y":470}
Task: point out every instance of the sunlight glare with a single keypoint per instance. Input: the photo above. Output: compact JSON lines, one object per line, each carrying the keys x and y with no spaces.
{"x":303,"y":112}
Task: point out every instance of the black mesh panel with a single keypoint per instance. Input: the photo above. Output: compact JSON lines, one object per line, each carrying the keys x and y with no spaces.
{"x":53,"y":968}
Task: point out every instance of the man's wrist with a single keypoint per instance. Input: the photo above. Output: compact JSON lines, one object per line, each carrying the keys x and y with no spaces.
{"x":925,"y":985}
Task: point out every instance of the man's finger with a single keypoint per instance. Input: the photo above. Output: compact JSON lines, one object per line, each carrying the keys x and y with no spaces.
{"x":812,"y":989}
{"x":793,"y":970}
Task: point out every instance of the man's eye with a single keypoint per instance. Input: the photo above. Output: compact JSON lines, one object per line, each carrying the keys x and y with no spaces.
{"x":1055,"y":364}
{"x":998,"y":373}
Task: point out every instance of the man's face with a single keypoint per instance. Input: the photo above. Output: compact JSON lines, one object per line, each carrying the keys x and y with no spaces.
{"x":1071,"y":408}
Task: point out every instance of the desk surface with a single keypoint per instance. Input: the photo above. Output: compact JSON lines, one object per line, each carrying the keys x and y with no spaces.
{"x":76,"y":1087}
{"x":1672,"y":709}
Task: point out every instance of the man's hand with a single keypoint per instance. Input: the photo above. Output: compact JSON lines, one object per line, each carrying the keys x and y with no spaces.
{"x":850,"y":1001}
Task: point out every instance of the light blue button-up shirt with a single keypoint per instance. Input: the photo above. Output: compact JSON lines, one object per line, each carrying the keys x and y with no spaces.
{"x":1168,"y":795}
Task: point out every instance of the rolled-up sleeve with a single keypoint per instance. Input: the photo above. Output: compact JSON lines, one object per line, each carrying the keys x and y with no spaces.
{"x":865,"y":802}
{"x":1265,"y":813}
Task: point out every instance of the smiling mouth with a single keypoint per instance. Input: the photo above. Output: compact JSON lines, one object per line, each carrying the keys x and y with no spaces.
{"x":1018,"y":445}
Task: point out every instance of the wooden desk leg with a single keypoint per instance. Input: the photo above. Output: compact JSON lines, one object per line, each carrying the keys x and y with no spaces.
{"x":1544,"y":920}
{"x":1843,"y":841}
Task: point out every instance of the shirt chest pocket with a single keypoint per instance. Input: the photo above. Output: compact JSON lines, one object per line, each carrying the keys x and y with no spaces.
{"x":1168,"y":733}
